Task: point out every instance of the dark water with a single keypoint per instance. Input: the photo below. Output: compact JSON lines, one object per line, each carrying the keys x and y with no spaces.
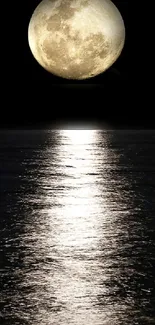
{"x":77,"y":227}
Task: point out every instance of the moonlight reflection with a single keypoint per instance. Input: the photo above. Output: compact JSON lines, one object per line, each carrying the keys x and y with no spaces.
{"x":76,"y":226}
{"x":79,"y":221}
{"x":76,"y":232}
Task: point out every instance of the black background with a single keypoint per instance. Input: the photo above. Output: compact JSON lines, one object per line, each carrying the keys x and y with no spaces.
{"x":33,"y":97}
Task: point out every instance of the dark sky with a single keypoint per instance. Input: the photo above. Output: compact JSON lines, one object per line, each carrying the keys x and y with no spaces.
{"x":34,"y":97}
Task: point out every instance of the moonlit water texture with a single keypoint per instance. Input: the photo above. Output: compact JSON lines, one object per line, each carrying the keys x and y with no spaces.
{"x":77,"y":227}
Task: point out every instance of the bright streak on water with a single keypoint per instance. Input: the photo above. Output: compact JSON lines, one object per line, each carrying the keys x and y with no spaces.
{"x":77,"y":227}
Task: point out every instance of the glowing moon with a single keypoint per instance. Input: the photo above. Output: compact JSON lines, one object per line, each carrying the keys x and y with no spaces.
{"x":76,"y":39}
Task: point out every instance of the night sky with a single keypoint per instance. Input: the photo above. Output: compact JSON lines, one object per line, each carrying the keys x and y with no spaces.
{"x":36,"y":98}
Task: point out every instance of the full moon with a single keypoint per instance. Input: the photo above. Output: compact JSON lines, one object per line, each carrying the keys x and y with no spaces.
{"x":76,"y":39}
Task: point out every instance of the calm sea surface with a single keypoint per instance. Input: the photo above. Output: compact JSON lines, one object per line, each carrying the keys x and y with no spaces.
{"x":77,"y":227}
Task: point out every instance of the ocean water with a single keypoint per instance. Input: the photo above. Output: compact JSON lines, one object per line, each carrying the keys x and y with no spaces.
{"x":77,"y":227}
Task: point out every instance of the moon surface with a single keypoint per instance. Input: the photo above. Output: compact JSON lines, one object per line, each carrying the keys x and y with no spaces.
{"x":76,"y":39}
